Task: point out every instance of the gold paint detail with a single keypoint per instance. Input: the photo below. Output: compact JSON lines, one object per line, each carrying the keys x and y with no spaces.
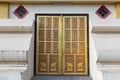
{"x":75,"y":56}
{"x":61,"y":46}
{"x":117,"y":9}
{"x":48,"y":44}
{"x":4,"y":10}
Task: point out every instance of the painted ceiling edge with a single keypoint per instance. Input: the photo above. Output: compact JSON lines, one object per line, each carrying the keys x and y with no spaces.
{"x":61,"y":1}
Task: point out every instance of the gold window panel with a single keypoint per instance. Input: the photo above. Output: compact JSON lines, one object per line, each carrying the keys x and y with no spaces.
{"x":61,"y":45}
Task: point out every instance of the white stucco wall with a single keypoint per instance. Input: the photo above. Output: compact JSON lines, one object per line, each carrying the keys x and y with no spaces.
{"x":71,"y":9}
{"x":13,"y":75}
{"x":14,"y":49}
{"x":13,"y":41}
{"x":61,"y":8}
{"x":28,"y":74}
{"x":17,"y":40}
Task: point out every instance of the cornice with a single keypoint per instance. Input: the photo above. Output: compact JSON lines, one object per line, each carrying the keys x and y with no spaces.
{"x":16,"y":26}
{"x":61,"y":1}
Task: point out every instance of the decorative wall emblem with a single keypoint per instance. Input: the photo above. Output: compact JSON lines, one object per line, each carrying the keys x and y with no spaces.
{"x":103,"y":12}
{"x":20,"y":12}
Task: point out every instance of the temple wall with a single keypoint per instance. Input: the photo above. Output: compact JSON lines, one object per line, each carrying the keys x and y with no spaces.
{"x":94,"y":40}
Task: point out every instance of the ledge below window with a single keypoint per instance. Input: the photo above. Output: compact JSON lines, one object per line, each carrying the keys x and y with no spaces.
{"x":15,"y":26}
{"x":112,"y":26}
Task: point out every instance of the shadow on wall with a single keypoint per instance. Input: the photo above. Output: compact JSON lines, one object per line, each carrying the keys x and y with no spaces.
{"x":28,"y":74}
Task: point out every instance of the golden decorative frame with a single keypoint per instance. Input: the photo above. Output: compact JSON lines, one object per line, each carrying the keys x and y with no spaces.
{"x":61,"y":46}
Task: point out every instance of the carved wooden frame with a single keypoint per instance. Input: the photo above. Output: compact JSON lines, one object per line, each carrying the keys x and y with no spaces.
{"x":87,"y":42}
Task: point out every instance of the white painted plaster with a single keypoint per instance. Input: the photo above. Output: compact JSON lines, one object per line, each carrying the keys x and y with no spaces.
{"x":28,"y":74}
{"x":13,"y":64}
{"x":111,"y":76}
{"x":70,"y":9}
{"x":106,"y":36}
{"x":63,"y":9}
{"x":100,"y":42}
{"x":15,"y":41}
{"x":94,"y":72}
{"x":10,"y":75}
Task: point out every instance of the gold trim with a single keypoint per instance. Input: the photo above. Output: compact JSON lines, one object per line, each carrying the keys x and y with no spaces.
{"x":61,"y":44}
{"x":61,"y":1}
{"x":4,"y":10}
{"x":117,"y":10}
{"x":86,"y":46}
{"x":37,"y":44}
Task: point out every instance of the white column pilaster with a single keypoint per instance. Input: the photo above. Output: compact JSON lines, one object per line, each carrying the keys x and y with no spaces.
{"x":12,"y":71}
{"x":106,"y":37}
{"x":16,"y":55}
